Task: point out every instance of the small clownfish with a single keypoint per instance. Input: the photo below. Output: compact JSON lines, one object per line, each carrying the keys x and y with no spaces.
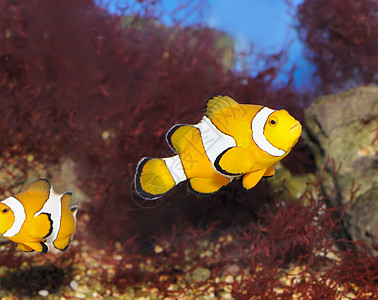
{"x":38,"y":216}
{"x":232,"y":141}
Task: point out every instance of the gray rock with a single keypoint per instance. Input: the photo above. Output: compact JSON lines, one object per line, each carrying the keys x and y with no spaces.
{"x":200,"y":274}
{"x":344,"y":127}
{"x":361,"y":219}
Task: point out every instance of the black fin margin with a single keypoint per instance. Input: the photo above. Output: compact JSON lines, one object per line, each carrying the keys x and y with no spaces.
{"x":44,"y":247}
{"x":247,"y":190}
{"x":190,"y":188}
{"x":65,"y":248}
{"x":70,"y":194}
{"x":168,"y":137}
{"x":74,"y":208}
{"x":51,"y":224}
{"x":44,"y":179}
{"x":218,"y":167}
{"x":212,"y":97}
{"x":32,"y":250}
{"x":138,"y":185}
{"x":207,"y":101}
{"x":268,"y":176}
{"x":199,"y":193}
{"x":242,"y":186}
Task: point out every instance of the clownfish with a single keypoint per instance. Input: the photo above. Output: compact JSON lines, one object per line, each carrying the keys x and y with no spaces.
{"x":231,"y":141}
{"x":38,"y":216}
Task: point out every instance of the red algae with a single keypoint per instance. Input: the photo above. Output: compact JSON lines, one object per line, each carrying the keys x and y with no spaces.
{"x":342,"y":40}
{"x":103,"y":89}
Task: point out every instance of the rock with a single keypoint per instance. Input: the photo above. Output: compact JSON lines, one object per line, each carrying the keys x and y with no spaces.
{"x":362,"y":219}
{"x":344,"y":127}
{"x":61,"y":174}
{"x":201,"y":274}
{"x":43,"y":293}
{"x":289,"y":186}
{"x":233,"y":270}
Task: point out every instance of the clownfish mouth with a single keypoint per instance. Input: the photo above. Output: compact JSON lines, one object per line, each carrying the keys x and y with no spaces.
{"x":295,"y":126}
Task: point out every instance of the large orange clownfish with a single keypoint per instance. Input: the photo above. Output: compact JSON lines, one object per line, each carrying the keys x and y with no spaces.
{"x":232,"y":141}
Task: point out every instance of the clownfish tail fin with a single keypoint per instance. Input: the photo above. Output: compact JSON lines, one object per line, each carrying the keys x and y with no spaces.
{"x":156,"y":176}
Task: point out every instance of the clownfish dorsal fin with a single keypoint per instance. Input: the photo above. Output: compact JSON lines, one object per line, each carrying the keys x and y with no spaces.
{"x":218,"y":103}
{"x":66,"y":200}
{"x":42,"y":185}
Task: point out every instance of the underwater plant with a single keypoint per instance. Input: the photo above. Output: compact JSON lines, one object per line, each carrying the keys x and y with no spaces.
{"x":341,"y":40}
{"x":285,"y":249}
{"x":102,"y":90}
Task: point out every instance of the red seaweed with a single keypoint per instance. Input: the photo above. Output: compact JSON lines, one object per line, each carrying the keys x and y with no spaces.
{"x":103,"y":89}
{"x":341,"y":37}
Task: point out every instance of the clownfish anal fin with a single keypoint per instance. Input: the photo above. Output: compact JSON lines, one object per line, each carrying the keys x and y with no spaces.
{"x":249,"y":180}
{"x":218,"y":103}
{"x":269,"y":172}
{"x":41,"y":226}
{"x":234,"y":161}
{"x":41,"y":185}
{"x":207,"y":186}
{"x":24,"y":248}
{"x":37,"y":246}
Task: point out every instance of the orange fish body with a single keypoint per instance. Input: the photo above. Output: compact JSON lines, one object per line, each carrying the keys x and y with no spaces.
{"x":38,"y":216}
{"x":231,"y":141}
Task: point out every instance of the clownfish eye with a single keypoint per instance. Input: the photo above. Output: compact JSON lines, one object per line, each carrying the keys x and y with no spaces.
{"x":273,"y":121}
{"x":5,"y":210}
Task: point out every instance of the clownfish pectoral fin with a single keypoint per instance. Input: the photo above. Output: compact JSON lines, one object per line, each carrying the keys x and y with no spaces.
{"x":249,"y":180}
{"x":37,"y":246}
{"x":153,"y":178}
{"x":218,"y":103}
{"x":207,"y":186}
{"x":41,"y":226}
{"x":269,"y":172}
{"x":233,"y":161}
{"x":24,"y":248}
{"x":179,"y":136}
